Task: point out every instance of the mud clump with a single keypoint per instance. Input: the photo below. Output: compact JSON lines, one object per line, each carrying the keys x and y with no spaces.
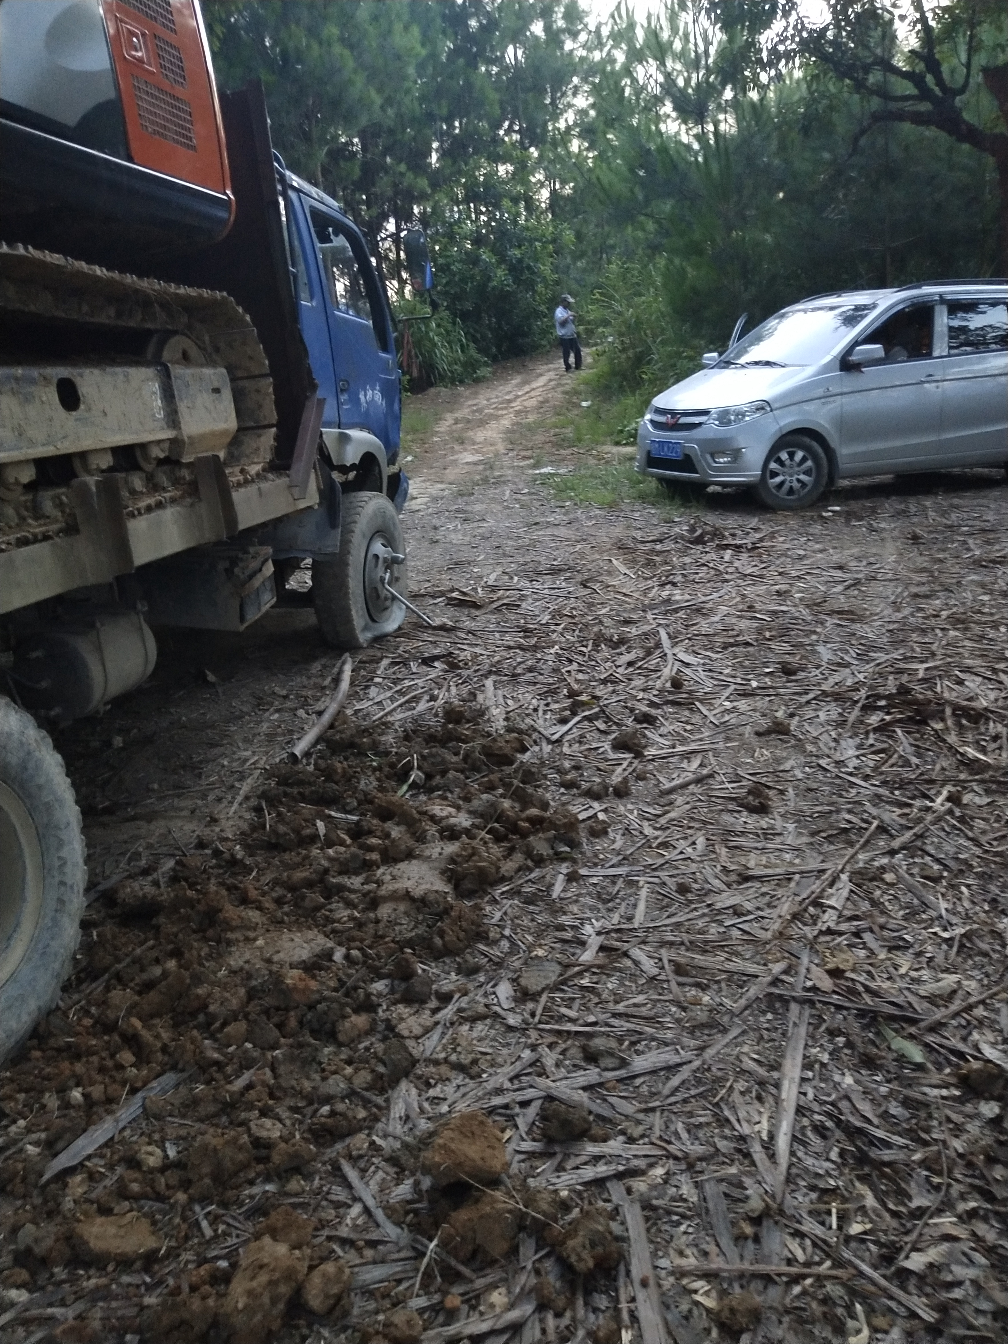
{"x":490,"y":1225}
{"x":631,"y":740}
{"x":475,"y":866}
{"x":462,"y":927}
{"x":563,"y":1123}
{"x":267,"y":1278}
{"x":738,"y":1312}
{"x":215,"y":1162}
{"x":402,"y":1326}
{"x":326,"y":1290}
{"x":124,"y":1237}
{"x":289,"y":1227}
{"x":179,"y":1320}
{"x":397,"y":1059}
{"x":603,"y":1051}
{"x":538,"y":975}
{"x":607,"y":1331}
{"x":466,"y":1148}
{"x":588,"y":1243}
{"x":984,"y":1079}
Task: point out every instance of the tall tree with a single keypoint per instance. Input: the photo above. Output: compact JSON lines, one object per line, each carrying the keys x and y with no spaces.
{"x":942,"y":66}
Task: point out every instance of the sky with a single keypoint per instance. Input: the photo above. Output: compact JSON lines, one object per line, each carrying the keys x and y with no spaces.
{"x":601,"y":9}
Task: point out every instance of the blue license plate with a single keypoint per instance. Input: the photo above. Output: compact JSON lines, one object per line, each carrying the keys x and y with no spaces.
{"x":666,"y":447}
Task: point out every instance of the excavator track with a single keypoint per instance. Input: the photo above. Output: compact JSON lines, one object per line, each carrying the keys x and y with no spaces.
{"x":87,"y":304}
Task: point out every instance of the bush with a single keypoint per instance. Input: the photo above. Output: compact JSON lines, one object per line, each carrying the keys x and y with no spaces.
{"x":639,"y":348}
{"x":500,"y":282}
{"x":435,"y":350}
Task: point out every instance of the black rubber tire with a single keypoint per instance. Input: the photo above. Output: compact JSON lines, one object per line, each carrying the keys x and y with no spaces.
{"x":340,"y":587}
{"x":42,"y":875}
{"x":795,"y":456}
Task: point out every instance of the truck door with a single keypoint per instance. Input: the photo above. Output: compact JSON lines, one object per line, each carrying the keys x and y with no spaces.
{"x":367,"y":376}
{"x":313,"y":307}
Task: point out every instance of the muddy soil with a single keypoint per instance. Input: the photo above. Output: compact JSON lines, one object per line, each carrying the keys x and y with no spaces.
{"x":665,"y":873}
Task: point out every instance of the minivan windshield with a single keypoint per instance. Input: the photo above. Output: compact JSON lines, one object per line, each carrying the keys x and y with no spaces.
{"x":796,"y":336}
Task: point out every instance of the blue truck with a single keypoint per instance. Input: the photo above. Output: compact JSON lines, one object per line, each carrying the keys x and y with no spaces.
{"x":199,"y":410}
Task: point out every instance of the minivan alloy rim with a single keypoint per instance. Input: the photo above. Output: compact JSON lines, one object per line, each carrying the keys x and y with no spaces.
{"x":791,"y":473}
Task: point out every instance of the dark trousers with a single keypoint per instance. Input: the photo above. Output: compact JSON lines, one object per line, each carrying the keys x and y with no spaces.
{"x":570,"y":347}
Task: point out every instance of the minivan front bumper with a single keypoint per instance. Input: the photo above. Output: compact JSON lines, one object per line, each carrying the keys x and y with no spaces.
{"x":708,"y":455}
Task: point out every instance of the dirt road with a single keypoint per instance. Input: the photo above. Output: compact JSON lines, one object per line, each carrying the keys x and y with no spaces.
{"x":677,"y":849}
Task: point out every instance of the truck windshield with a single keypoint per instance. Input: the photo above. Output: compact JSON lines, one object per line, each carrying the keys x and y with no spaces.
{"x":797,"y":336}
{"x":56,"y":72}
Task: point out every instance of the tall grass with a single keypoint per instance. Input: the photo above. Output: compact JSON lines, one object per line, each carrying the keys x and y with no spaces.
{"x":434,"y":350}
{"x":640,"y":347}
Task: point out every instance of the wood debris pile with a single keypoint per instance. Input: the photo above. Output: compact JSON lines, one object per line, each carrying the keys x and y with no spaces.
{"x":673,"y":871}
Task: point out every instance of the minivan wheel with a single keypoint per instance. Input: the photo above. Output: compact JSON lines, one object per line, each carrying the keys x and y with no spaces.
{"x":795,"y":473}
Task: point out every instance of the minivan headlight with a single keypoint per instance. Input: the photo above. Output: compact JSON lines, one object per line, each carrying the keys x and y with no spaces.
{"x":726,"y":416}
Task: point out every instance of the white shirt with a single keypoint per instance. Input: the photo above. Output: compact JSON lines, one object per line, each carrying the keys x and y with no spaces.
{"x":563,"y":319}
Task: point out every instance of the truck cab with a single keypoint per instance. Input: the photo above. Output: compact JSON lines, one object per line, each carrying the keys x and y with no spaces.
{"x":346,"y":325}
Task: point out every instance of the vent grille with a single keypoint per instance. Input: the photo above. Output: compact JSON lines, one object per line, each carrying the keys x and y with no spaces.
{"x":667,"y":421}
{"x":163,"y":114}
{"x":158,"y":11}
{"x":171,"y":62}
{"x":679,"y":466}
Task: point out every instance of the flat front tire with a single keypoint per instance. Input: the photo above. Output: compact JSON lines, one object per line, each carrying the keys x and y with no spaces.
{"x":795,"y":473}
{"x":350,"y":592}
{"x":42,"y":875}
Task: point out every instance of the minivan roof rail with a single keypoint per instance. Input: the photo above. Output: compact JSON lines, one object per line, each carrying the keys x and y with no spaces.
{"x":921,"y":284}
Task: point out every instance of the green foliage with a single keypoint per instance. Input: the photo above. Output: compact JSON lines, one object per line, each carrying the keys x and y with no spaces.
{"x":638,"y":350}
{"x":500,"y":282}
{"x":611,"y":483}
{"x":717,"y":157}
{"x":436,"y":350}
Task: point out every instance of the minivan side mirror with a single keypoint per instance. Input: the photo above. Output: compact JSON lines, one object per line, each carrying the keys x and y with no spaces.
{"x":710,"y":359}
{"x":863,"y":355}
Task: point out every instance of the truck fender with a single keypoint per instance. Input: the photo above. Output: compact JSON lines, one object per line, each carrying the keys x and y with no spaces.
{"x":349,"y":447}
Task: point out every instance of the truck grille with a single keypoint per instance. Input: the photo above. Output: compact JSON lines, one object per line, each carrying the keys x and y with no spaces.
{"x":662,"y":419}
{"x":158,"y":11}
{"x":163,"y":114}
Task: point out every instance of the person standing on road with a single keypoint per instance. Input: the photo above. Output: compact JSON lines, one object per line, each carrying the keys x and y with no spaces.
{"x":563,"y":320}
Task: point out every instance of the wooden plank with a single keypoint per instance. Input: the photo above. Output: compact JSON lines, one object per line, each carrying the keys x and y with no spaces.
{"x":645,"y":1286}
{"x":720,"y":1222}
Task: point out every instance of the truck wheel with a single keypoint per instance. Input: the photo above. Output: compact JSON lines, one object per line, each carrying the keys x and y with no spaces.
{"x":42,"y":875}
{"x":352,"y":603}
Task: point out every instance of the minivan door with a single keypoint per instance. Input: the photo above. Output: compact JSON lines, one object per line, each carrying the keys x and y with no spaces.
{"x":367,"y":375}
{"x":891,"y":418}
{"x":975,"y":396}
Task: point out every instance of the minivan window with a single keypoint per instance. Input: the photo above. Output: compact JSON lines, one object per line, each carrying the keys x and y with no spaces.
{"x":978,"y":327}
{"x":797,"y":336}
{"x":908,"y":334}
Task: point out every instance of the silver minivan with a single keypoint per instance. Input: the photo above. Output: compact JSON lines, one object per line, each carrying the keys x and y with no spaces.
{"x":868,"y":383}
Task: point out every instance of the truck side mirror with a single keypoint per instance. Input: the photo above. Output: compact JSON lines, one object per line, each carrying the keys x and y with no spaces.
{"x":863,"y":355}
{"x":710,"y":359}
{"x":418,"y":262}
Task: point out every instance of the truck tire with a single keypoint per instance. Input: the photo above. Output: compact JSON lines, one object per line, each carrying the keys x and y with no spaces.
{"x":351,"y":603}
{"x":42,"y":875}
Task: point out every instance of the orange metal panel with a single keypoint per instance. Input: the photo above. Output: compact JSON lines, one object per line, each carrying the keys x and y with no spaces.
{"x":166,"y":84}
